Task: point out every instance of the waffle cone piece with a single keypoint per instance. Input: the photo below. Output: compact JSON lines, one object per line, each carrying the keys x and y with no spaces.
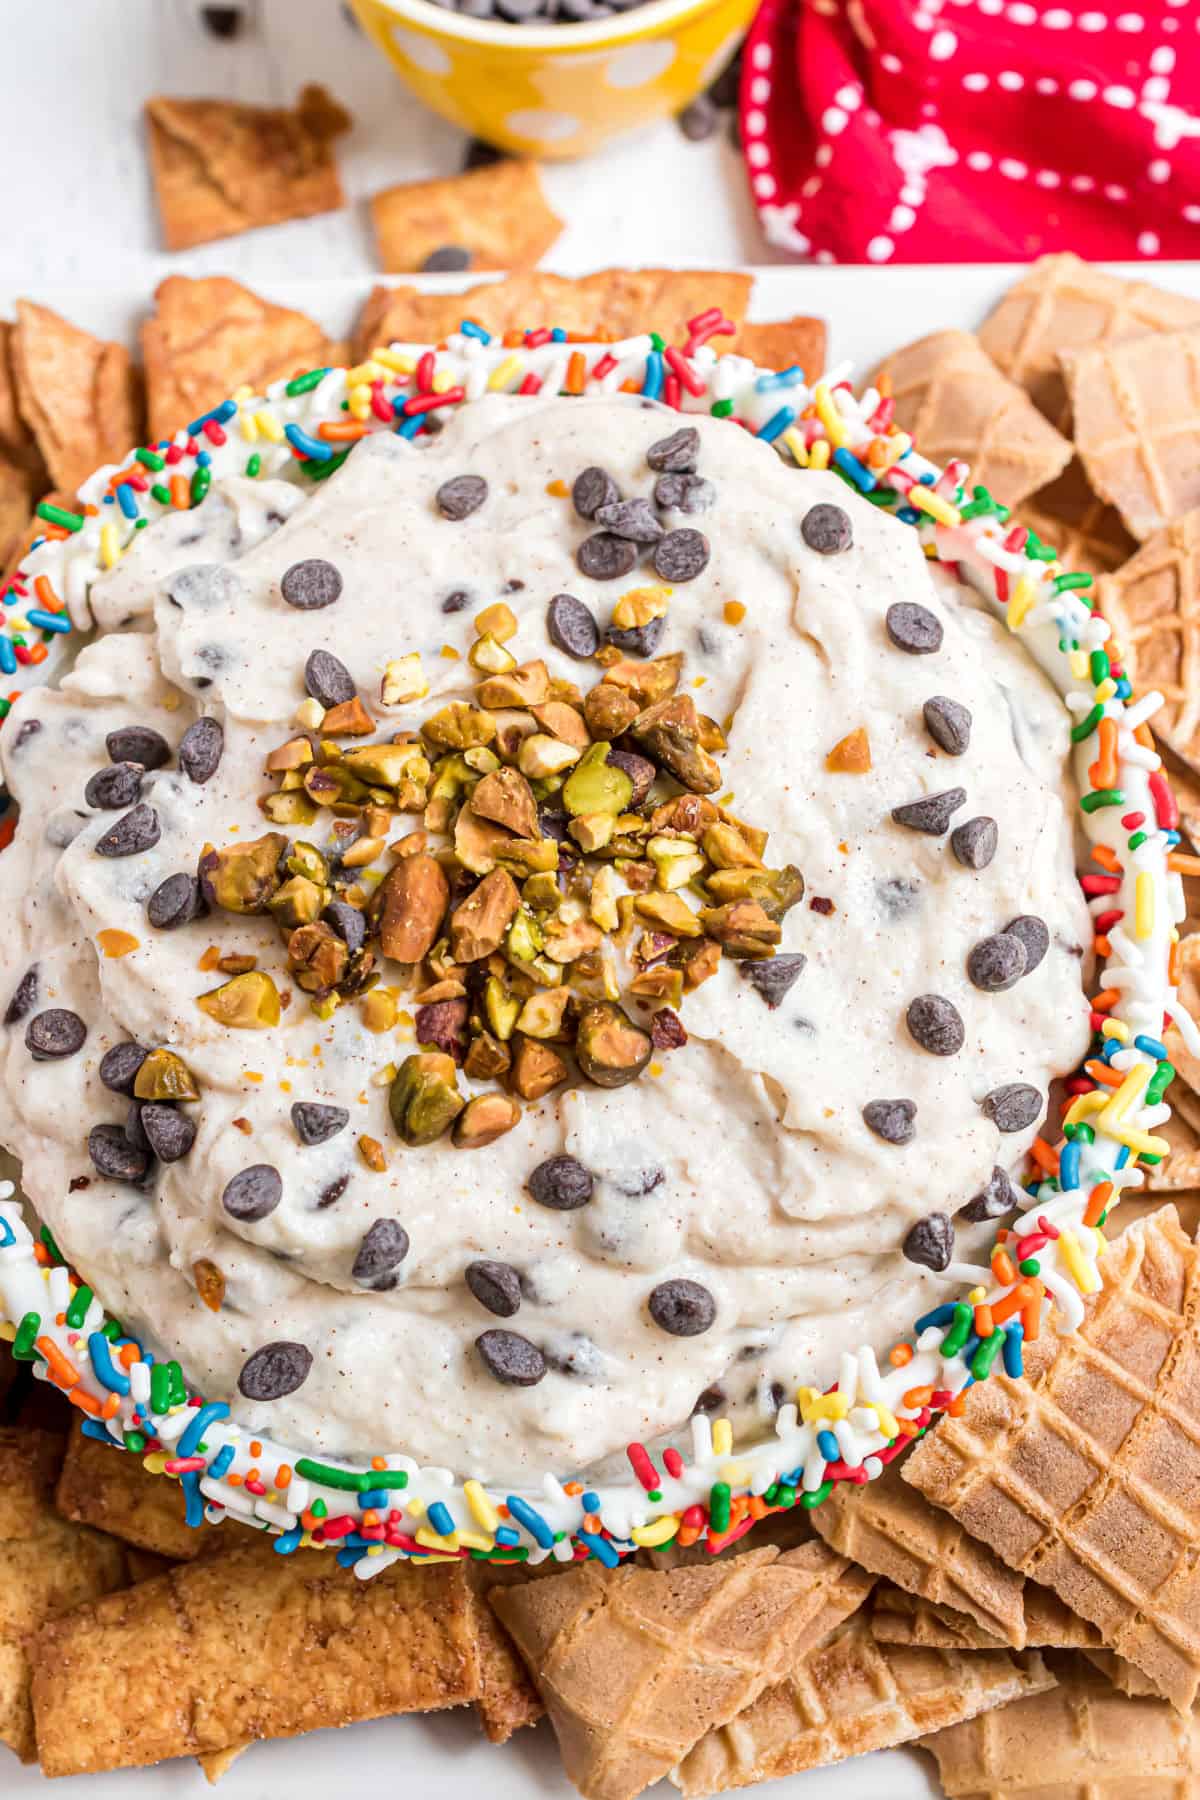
{"x":850,"y":1695}
{"x":1137,"y":424}
{"x":1086,"y":531}
{"x":1063,"y":304}
{"x":634,"y":1665}
{"x":1085,"y":1475}
{"x":898,"y":1617}
{"x":1153,"y":604}
{"x":955,"y":402}
{"x":1079,"y":1740}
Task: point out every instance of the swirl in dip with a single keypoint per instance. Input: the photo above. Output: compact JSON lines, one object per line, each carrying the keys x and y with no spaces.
{"x":802,"y":1083}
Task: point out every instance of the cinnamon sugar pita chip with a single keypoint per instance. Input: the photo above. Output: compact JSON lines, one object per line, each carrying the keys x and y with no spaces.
{"x":498,"y":214}
{"x":81,"y":396}
{"x":221,"y":167}
{"x":782,"y":344}
{"x":17,"y":445}
{"x":209,"y":337}
{"x":16,"y":499}
{"x":108,"y":1488}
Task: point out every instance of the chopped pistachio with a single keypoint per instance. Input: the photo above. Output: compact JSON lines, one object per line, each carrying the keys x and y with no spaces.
{"x":542,"y":754}
{"x":512,"y":728}
{"x":698,"y":961}
{"x":523,"y":938}
{"x":387,"y":765}
{"x":478,"y":925}
{"x":309,"y":714}
{"x":638,"y":606}
{"x":541,"y":892}
{"x":592,"y":831}
{"x":247,"y":1003}
{"x":500,"y":1008}
{"x":498,"y":621}
{"x":742,"y":928}
{"x":596,"y":785}
{"x":526,"y":685}
{"x":373,"y":1154}
{"x":488,"y":654}
{"x":363,"y":851}
{"x":409,"y":905}
{"x":669,"y":913}
{"x":459,"y":726}
{"x":536,"y":1069}
{"x":242,"y":877}
{"x":486,"y":1057}
{"x":506,"y":798}
{"x":563,"y":721}
{"x":660,"y":983}
{"x":484,"y":1119}
{"x":379,"y":1010}
{"x":603,"y":902}
{"x":647,"y":682}
{"x":424,"y":1099}
{"x":403,"y":681}
{"x":349,"y":719}
{"x":670,"y":731}
{"x":295,"y":754}
{"x":711,"y":735}
{"x":609,"y":1048}
{"x":165,"y":1076}
{"x":481,"y":760}
{"x":543,"y":1013}
{"x":298,"y":902}
{"x":676,"y":861}
{"x":570,"y":933}
{"x":317,"y":957}
{"x":725,"y":846}
{"x":478,"y":842}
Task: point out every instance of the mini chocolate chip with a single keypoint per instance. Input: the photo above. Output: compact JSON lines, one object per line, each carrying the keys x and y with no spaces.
{"x":637,"y":640}
{"x":592,"y":489}
{"x":133,"y":833}
{"x":699,"y":120}
{"x":495,"y":1285}
{"x":572,"y":627}
{"x":684,"y":493}
{"x":114,"y":1156}
{"x":1014,"y":1106}
{"x":200,"y":749}
{"x":456,"y":601}
{"x":174,"y":902}
{"x":223,"y":21}
{"x":138,"y":743}
{"x":24,"y":996}
{"x":311,"y":584}
{"x":681,"y":555}
{"x":827,"y":529}
{"x":383,"y":1249}
{"x":117,"y":786}
{"x":948,"y":724}
{"x":119,"y":1066}
{"x":677,"y":454}
{"x":996,"y":963}
{"x":510,"y":1358}
{"x":54,"y":1033}
{"x":974,"y":842}
{"x":349,"y":923}
{"x":462,"y":495}
{"x":275,"y":1370}
{"x":993,"y":1201}
{"x":930,"y":1242}
{"x":315,"y":1123}
{"x":1033,"y":934}
{"x":253,"y":1193}
{"x":561,"y":1183}
{"x":936,"y":1025}
{"x":640,"y":770}
{"x":134,"y":1130}
{"x":328,"y":679}
{"x":895,"y":1121}
{"x":773,"y":977}
{"x":712,"y":1400}
{"x":932,"y":814}
{"x":329,"y":1196}
{"x":605,"y":557}
{"x":447,"y":259}
{"x":632,"y":519}
{"x":169,"y":1133}
{"x":913,"y":628}
{"x":683,"y":1308}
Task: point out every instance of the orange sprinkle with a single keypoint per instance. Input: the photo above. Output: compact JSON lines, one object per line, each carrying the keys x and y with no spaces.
{"x":181,"y":497}
{"x":343,"y":431}
{"x":918,"y":1397}
{"x":1183,"y":865}
{"x":44,"y":589}
{"x":957,"y":1407}
{"x":635,"y":387}
{"x":1103,"y":772}
{"x":1174,"y":964}
{"x":900,"y":1355}
{"x":86,"y":1402}
{"x":1013,"y":1302}
{"x":758,"y":1508}
{"x":576,"y":372}
{"x":879,"y":453}
{"x":255,"y":1450}
{"x":1106,"y":999}
{"x":111,"y":1407}
{"x":1144,"y":736}
{"x":1100,"y":1071}
{"x":733,"y":612}
{"x":38,"y":653}
{"x":908,"y":1427}
{"x":985,"y":1324}
{"x":688,"y":1535}
{"x":1104,"y":854}
{"x":558,"y":490}
{"x":234,"y":1480}
{"x":63,"y":1372}
{"x":1101,"y":946}
{"x":572,"y":1487}
{"x":127,"y":1355}
{"x":283,"y":1476}
{"x":450,"y":653}
{"x":379,"y":1462}
{"x":591,"y":1522}
{"x":253,"y":1475}
{"x":512,"y":338}
{"x":1003,"y":1267}
{"x":883,"y":384}
{"x":41,"y":1254}
{"x":1098,"y":1199}
{"x":370,"y":1516}
{"x":1031,"y":1316}
{"x":1044,"y":1156}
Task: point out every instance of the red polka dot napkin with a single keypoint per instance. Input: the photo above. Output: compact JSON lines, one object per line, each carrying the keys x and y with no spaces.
{"x":974,"y":130}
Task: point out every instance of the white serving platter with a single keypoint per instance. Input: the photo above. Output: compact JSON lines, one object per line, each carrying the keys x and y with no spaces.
{"x":445,"y":1756}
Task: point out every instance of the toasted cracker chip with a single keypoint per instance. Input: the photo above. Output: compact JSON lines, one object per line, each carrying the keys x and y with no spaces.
{"x":105,"y":1486}
{"x":498,"y":214}
{"x":614,"y":302}
{"x":216,"y":1763}
{"x":247,"y":1645}
{"x":18,"y":447}
{"x":1087,"y":533}
{"x":17,"y":494}
{"x":211,"y":336}
{"x":782,"y":344}
{"x":1137,"y":425}
{"x":220,"y":167}
{"x":508,"y":1697}
{"x":81,"y":396}
{"x":1153,"y":604}
{"x":29,"y":1464}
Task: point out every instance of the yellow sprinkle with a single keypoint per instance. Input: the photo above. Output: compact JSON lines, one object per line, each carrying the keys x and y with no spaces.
{"x":887,"y":1420}
{"x":247,"y":425}
{"x":8,"y":1331}
{"x":482,"y":1510}
{"x":656,"y":1069}
{"x":660,"y":1532}
{"x":430,"y":1540}
{"x":977,"y":1296}
{"x":795,"y":442}
{"x":829,"y":415}
{"x":814,"y":1406}
{"x":733,"y":612}
{"x":475,"y":1540}
{"x":399,"y":365}
{"x":269,"y":426}
{"x":1078,"y":663}
{"x":110,"y":546}
{"x":252,"y":1074}
{"x":1085,"y":1104}
{"x":363,"y":374}
{"x":1143,"y":1143}
{"x":818,"y":456}
{"x":1127,"y":1096}
{"x":156,"y":1462}
{"x":700,"y":681}
{"x":1023,"y":597}
{"x":722,"y":1437}
{"x":1078,"y":1267}
{"x":934,"y":504}
{"x":504,"y":372}
{"x":416,"y":1506}
{"x":1106,"y":689}
{"x":735,"y":1473}
{"x":1143,"y":906}
{"x":441,"y":381}
{"x":1113,"y":1028}
{"x":358,"y":402}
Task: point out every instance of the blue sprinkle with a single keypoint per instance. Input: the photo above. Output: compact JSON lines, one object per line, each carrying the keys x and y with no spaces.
{"x":346,"y":1559}
{"x":48,"y":621}
{"x":1068,"y":1166}
{"x":792,"y":377}
{"x":193,"y":1499}
{"x":909,"y":514}
{"x":310,"y":446}
{"x":94,"y":1429}
{"x":777,"y":424}
{"x":441,"y":1518}
{"x":127,"y":500}
{"x":221,"y":414}
{"x":9,"y":1237}
{"x":376,"y":1497}
{"x":793,"y":1478}
{"x":470,"y":329}
{"x":591,"y":1501}
{"x":970,"y":1347}
{"x":652,"y":386}
{"x":854,"y":471}
{"x":941,"y":1315}
{"x":221,"y":1461}
{"x":1124,"y":689}
{"x":100,"y":1352}
{"x":531,"y":1519}
{"x":827,"y":1444}
{"x":108,"y":500}
{"x":600,"y":1548}
{"x":1014,"y":1361}
{"x":507,"y":1536}
{"x":1171,"y":838}
{"x":8,"y":656}
{"x":1122,"y":1157}
{"x":558,"y":335}
{"x":354,"y":1540}
{"x":927,"y":480}
{"x":408,"y":428}
{"x":215,"y":1409}
{"x":1151,"y":1046}
{"x":289,"y":1541}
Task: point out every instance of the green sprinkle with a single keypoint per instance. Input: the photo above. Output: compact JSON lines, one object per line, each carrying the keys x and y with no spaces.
{"x":201,"y":482}
{"x":817,"y":1497}
{"x":1036,"y":551}
{"x":960,"y":1331}
{"x":47,"y":1237}
{"x":1031,"y":1266}
{"x":319,"y":1510}
{"x":1102,"y":797}
{"x":81,"y":1299}
{"x":161,"y":493}
{"x":1147,"y":1158}
{"x":654,"y":1494}
{"x":58,"y":515}
{"x":1064,"y":583}
{"x":27,"y":1330}
{"x":150,"y":459}
{"x":140,"y":524}
{"x":322,"y":471}
{"x":718,"y":1508}
{"x":111,"y":1330}
{"x":254,"y":464}
{"x":1138,"y":838}
{"x":721,"y":409}
{"x":882,"y":496}
{"x":135,"y":1441}
{"x":1087,"y":725}
{"x":1159,"y":1082}
{"x":657,"y":343}
{"x":771,"y":1496}
{"x":176,"y":1390}
{"x":1099,"y":666}
{"x":304,"y":384}
{"x":1085,"y":1134}
{"x":350,"y":1481}
{"x":160,"y":1387}
{"x":5,"y":708}
{"x":787,"y":1496}
{"x":985,"y":1356}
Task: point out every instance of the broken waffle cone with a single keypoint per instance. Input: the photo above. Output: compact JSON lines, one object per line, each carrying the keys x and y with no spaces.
{"x":851,"y":1695}
{"x":1153,"y":605}
{"x":1084,"y":1475}
{"x":1087,"y":533}
{"x":634,"y":1665}
{"x":956,"y":403}
{"x":1125,"y":1676}
{"x":1061,"y":303}
{"x":1137,"y":425}
{"x":1079,"y":1738}
{"x":898,"y":1617}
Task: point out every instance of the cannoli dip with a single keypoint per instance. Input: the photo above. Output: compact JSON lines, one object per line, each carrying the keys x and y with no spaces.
{"x":241,"y":1077}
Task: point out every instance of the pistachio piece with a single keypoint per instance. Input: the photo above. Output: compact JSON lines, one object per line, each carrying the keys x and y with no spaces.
{"x":593,"y":831}
{"x":660,"y":983}
{"x":698,"y":961}
{"x":669,"y":913}
{"x":603,"y":901}
{"x":541,"y":892}
{"x":743,"y":928}
{"x":490,"y":657}
{"x":609,"y":710}
{"x":498,"y":621}
{"x":478,"y":925}
{"x":424,"y":1099}
{"x":486,"y":1058}
{"x":297,"y":753}
{"x":512,"y":728}
{"x":242,"y":877}
{"x":165,"y":1076}
{"x":543,"y":1014}
{"x":305,"y":859}
{"x":335,"y":784}
{"x":403,"y":681}
{"x":676,"y":861}
{"x":686,"y":812}
{"x":317,"y":957}
{"x":523,"y":940}
{"x":596,"y":785}
{"x":527,"y":856}
{"x":670,"y":731}
{"x":535,"y":1069}
{"x":387,"y":765}
{"x":527,"y":685}
{"x":478,"y":842}
{"x":564,"y":721}
{"x":500,"y":1008}
{"x":409,"y":905}
{"x":350,"y":719}
{"x":507,"y":799}
{"x":542,"y":755}
{"x":647,"y":682}
{"x":298,"y":902}
{"x":640,"y":770}
{"x":609,"y":1048}
{"x":247,"y":1003}
{"x":459,"y":726}
{"x":725,"y":846}
{"x":484,"y":1119}
{"x":288,"y":809}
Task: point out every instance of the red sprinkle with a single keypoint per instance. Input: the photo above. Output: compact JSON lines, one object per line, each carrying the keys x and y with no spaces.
{"x":673,"y":1463}
{"x":1166,"y":809}
{"x":642,"y":1466}
{"x":1100,"y":884}
{"x":1106,"y":920}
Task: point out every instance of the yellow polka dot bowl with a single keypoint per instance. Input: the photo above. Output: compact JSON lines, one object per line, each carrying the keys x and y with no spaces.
{"x":557,"y":91}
